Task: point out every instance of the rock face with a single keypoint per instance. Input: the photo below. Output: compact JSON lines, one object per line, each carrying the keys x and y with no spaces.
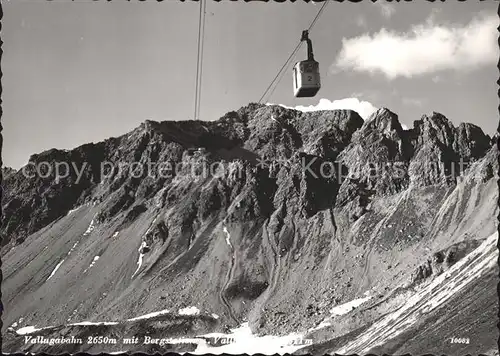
{"x":436,"y":140}
{"x":267,"y":215}
{"x":442,"y":261}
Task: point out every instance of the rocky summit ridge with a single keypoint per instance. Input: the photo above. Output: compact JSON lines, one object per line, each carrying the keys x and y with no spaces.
{"x":298,"y":212}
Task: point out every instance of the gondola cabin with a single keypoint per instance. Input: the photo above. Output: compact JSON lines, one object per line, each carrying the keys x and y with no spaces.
{"x":306,"y":79}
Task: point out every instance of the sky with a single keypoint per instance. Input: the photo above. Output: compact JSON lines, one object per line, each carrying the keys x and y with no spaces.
{"x":83,"y":71}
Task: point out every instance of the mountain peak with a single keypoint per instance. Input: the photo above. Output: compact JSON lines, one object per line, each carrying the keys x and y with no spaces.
{"x":437,"y":120}
{"x":149,"y":124}
{"x":384,"y":120}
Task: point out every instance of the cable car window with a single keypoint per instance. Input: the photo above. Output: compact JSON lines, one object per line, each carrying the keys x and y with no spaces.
{"x":307,"y":67}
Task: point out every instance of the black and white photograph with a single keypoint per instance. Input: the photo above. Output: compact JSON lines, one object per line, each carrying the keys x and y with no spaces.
{"x":302,"y":177}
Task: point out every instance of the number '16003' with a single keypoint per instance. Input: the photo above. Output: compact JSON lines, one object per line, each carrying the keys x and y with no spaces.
{"x":455,"y":340}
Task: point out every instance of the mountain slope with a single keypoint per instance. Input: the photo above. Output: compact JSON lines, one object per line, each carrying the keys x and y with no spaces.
{"x":268,"y":216}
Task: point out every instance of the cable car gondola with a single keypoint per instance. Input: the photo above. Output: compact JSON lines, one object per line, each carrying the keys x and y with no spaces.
{"x":306,"y":78}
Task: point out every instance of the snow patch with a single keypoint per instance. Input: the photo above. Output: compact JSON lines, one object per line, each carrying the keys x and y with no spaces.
{"x":228,"y":237}
{"x":242,"y":341}
{"x":116,"y":234}
{"x":73,"y":210}
{"x":71,"y":250}
{"x":189,"y":311}
{"x":322,"y":325}
{"x":151,"y":226}
{"x":94,"y":323}
{"x":150,"y":315}
{"x":55,"y":269}
{"x":143,"y":244}
{"x":90,"y":228}
{"x":141,"y":256}
{"x":215,"y":316}
{"x":342,"y":309}
{"x":26,"y":330}
{"x":30,"y":329}
{"x":96,"y":258}
{"x":349,"y":306}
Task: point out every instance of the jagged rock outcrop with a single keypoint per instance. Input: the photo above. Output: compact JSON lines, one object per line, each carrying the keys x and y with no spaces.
{"x":35,"y":197}
{"x":7,"y":171}
{"x":377,"y":159}
{"x":439,"y":147}
{"x":442,"y":260}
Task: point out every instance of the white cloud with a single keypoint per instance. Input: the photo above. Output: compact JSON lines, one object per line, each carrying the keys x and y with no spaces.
{"x":426,"y":48}
{"x":386,"y":9}
{"x":361,"y":21}
{"x":363,"y":108}
{"x":433,"y":15}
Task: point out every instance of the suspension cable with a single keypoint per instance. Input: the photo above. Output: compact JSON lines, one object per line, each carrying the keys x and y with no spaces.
{"x":198,"y":60}
{"x":281,"y":71}
{"x":201,"y":57}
